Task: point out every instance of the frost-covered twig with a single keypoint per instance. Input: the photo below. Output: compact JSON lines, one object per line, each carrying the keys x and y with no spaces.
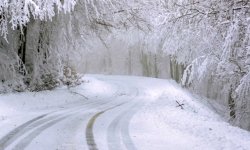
{"x":79,"y":94}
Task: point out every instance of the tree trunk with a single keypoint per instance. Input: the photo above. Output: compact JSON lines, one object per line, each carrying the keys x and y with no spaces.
{"x":177,"y":76}
{"x":156,"y":68}
{"x":231,"y":104}
{"x":130,"y":64}
{"x":171,"y":69}
{"x":22,"y":49}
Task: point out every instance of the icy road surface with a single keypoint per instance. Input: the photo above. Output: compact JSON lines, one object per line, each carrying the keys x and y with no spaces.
{"x":119,"y":113}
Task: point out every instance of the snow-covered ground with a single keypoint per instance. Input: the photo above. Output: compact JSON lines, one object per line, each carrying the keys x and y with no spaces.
{"x":115,"y":112}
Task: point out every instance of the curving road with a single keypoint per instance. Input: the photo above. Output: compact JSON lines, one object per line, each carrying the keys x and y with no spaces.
{"x":140,"y":114}
{"x":93,"y":124}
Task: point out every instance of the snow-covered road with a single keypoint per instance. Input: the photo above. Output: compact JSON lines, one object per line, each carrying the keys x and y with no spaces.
{"x":120,"y":113}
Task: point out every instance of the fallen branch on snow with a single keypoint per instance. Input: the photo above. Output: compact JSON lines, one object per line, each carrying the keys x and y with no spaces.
{"x":179,"y":105}
{"x":79,"y":94}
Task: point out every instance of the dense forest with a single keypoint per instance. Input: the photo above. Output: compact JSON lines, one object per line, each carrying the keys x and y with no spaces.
{"x":202,"y":44}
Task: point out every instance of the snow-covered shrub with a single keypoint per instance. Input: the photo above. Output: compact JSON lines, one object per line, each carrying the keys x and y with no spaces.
{"x":71,"y":78}
{"x":11,"y":74}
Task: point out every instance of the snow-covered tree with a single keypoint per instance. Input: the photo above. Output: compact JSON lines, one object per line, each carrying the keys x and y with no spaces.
{"x":212,"y":38}
{"x":26,"y":40}
{"x":45,"y":40}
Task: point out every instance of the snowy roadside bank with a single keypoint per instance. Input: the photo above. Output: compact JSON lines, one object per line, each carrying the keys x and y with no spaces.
{"x":175,"y":119}
{"x":162,"y":124}
{"x":18,"y":108}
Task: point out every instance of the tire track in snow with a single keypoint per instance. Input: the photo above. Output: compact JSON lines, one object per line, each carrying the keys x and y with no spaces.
{"x":29,"y":138}
{"x":10,"y":137}
{"x":126,"y":138}
{"x":19,"y":131}
{"x":118,"y":130}
{"x":26,"y":127}
{"x":89,"y":129}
